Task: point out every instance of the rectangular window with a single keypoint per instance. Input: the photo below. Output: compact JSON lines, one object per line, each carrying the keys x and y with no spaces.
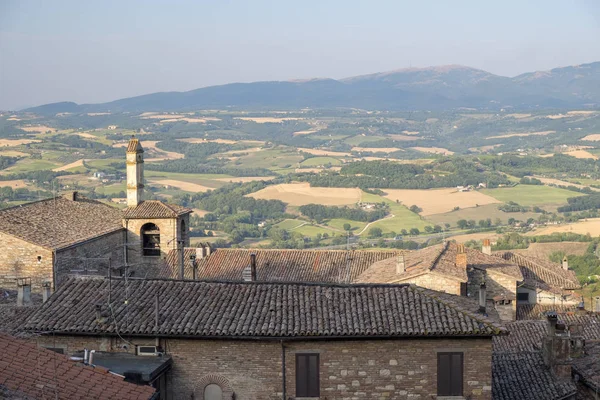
{"x":450,"y":374}
{"x":523,"y":296}
{"x":307,"y":375}
{"x":463,"y":288}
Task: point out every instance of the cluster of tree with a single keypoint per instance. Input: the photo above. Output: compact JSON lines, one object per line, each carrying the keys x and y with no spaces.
{"x":387,"y":174}
{"x":482,"y":223}
{"x":522,"y":166}
{"x":530,"y":181}
{"x":320,"y":213}
{"x":6,"y":162}
{"x":512,"y":207}
{"x":515,"y":241}
{"x":198,"y":151}
{"x":22,"y":194}
{"x":580,"y":203}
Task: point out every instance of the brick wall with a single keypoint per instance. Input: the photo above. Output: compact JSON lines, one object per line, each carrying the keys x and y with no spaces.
{"x":19,"y":259}
{"x":366,"y":369}
{"x":91,"y":257}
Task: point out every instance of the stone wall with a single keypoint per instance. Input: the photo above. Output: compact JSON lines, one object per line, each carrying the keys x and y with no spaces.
{"x":19,"y":259}
{"x":91,"y":257}
{"x":369,"y":369}
{"x":435,"y":282}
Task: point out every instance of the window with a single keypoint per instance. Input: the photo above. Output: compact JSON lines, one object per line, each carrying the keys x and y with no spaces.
{"x":150,"y":240}
{"x":523,"y":296}
{"x":463,"y":288}
{"x":213,"y":392}
{"x":307,"y":375}
{"x":450,"y":374}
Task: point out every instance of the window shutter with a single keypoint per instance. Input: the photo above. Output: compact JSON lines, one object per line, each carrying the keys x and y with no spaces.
{"x":307,"y":375}
{"x":450,"y":374}
{"x":444,"y":374}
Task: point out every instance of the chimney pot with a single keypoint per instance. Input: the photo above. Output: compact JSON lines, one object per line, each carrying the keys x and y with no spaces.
{"x":72,"y":196}
{"x":46,"y":291}
{"x":249,"y":273}
{"x":461,"y":256}
{"x":400,"y":264}
{"x":597,"y":304}
{"x":23,"y":292}
{"x":482,"y":298}
{"x":565,"y":263}
{"x":487,"y":247}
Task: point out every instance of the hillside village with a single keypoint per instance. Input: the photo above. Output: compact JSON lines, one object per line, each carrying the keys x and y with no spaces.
{"x":122,"y":303}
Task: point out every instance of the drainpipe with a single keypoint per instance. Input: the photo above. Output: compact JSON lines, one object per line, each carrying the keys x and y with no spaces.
{"x":283,"y":369}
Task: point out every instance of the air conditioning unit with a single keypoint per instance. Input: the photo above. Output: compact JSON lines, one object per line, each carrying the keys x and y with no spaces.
{"x":147,"y":351}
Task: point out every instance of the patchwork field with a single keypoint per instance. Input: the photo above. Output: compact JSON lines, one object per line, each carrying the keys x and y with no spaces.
{"x":434,"y":150}
{"x":592,"y":138}
{"x":558,"y":182}
{"x":38,"y":129}
{"x":15,"y":184}
{"x":186,"y":186}
{"x":377,"y":149}
{"x":319,"y":152}
{"x":75,"y":164}
{"x":544,"y":250}
{"x":591,"y":226}
{"x":316,"y":161}
{"x":298,"y":194}
{"x":581,"y":154}
{"x":437,"y":201}
{"x":531,"y":195}
{"x":477,"y":213}
{"x":16,"y":142}
{"x":509,"y":135}
{"x":265,"y":120}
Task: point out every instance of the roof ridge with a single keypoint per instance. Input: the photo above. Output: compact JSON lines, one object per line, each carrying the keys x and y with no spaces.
{"x":484,"y":320}
{"x":533,"y":260}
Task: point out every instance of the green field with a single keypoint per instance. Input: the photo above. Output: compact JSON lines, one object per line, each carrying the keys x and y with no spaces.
{"x":531,"y":195}
{"x":477,"y":213}
{"x":403,"y":218}
{"x":317,"y":161}
{"x":312,"y":231}
{"x":28,"y":165}
{"x":338,"y":223}
{"x":358,"y":139}
{"x":289,"y":224}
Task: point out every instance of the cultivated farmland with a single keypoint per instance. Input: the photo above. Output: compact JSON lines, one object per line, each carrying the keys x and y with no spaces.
{"x":437,"y":201}
{"x":298,"y":194}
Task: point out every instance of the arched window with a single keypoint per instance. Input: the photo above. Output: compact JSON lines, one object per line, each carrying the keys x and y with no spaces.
{"x":150,"y":240}
{"x":213,"y":392}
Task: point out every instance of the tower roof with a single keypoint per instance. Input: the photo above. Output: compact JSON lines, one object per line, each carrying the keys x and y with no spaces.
{"x":134,"y":145}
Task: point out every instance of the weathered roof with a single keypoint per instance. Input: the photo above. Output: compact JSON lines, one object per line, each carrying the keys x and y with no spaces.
{"x":525,"y":376}
{"x":134,"y":146}
{"x":13,"y":317}
{"x":440,"y":259}
{"x":59,"y":222}
{"x":538,"y":311}
{"x":588,"y":366}
{"x":543,"y":274}
{"x":326,"y":266}
{"x":40,"y":373}
{"x":155,"y":209}
{"x":254,"y":310}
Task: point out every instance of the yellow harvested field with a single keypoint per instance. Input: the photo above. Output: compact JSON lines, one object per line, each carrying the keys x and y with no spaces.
{"x":265,"y":120}
{"x":581,"y":154}
{"x":318,"y":152}
{"x":475,"y":236}
{"x":557,"y":116}
{"x":190,"y":120}
{"x":307,"y":132}
{"x":439,"y":201}
{"x":86,"y":135}
{"x":410,"y":132}
{"x":519,"y":116}
{"x":251,"y":150}
{"x":582,"y":112}
{"x":16,"y":142}
{"x":244,"y":179}
{"x":97,"y":114}
{"x":591,"y":226}
{"x":377,"y":149}
{"x":595,"y":137}
{"x":403,"y":137}
{"x":13,"y":119}
{"x":15,"y":184}
{"x":317,"y":170}
{"x":162,"y":154}
{"x":298,"y":194}
{"x":38,"y":129}
{"x":509,"y":135}
{"x":13,"y":153}
{"x":544,"y":250}
{"x":434,"y":150}
{"x":75,"y":164}
{"x":551,"y":181}
{"x":187,"y":186}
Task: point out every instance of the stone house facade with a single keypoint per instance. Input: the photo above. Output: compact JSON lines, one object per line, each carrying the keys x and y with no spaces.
{"x":259,"y":340}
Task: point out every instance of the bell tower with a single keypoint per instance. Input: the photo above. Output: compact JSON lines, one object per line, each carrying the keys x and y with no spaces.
{"x":135,"y":172}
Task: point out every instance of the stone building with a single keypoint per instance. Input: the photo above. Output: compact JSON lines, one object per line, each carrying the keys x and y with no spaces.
{"x":50,"y":239}
{"x":259,"y":340}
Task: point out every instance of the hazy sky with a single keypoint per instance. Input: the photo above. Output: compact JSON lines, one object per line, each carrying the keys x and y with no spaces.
{"x":94,"y":51}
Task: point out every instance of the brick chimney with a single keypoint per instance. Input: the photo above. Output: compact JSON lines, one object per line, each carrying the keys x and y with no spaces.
{"x":72,"y":196}
{"x":556,"y":347}
{"x":46,"y":291}
{"x":482,"y":298}
{"x":200,"y":252}
{"x":565,"y":263}
{"x":23,"y":292}
{"x":581,"y":308}
{"x":400,"y":264}
{"x":461,"y":256}
{"x":597,"y":304}
{"x":249,"y":273}
{"x":487,"y":247}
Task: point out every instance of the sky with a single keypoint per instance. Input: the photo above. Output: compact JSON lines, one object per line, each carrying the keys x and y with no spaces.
{"x":96,"y":51}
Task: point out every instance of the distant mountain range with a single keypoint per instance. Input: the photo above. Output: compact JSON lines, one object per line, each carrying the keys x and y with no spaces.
{"x":434,"y":88}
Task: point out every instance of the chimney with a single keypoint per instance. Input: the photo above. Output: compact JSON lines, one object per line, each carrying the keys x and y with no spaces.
{"x":581,"y":309}
{"x":207,"y":249}
{"x":461,"y":256}
{"x":487,"y":247}
{"x":200,"y":252}
{"x":249,"y":273}
{"x":23,"y":292}
{"x":556,"y":347}
{"x":46,"y":291}
{"x":482,"y":298}
{"x":597,"y":304}
{"x":400,"y":264}
{"x":565,"y":263}
{"x":72,"y":196}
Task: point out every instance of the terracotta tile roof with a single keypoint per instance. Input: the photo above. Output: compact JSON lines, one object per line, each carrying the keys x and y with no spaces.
{"x":155,"y":209}
{"x":543,"y":274}
{"x":59,"y":222}
{"x":523,"y":336}
{"x":588,"y":367}
{"x":33,"y":371}
{"x":134,"y":146}
{"x":440,"y":259}
{"x":538,"y":311}
{"x":526,"y":376}
{"x":254,"y":310}
{"x":327,"y":266}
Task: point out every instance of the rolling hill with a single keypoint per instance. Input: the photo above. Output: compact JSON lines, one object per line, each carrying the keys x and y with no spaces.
{"x":434,"y":88}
